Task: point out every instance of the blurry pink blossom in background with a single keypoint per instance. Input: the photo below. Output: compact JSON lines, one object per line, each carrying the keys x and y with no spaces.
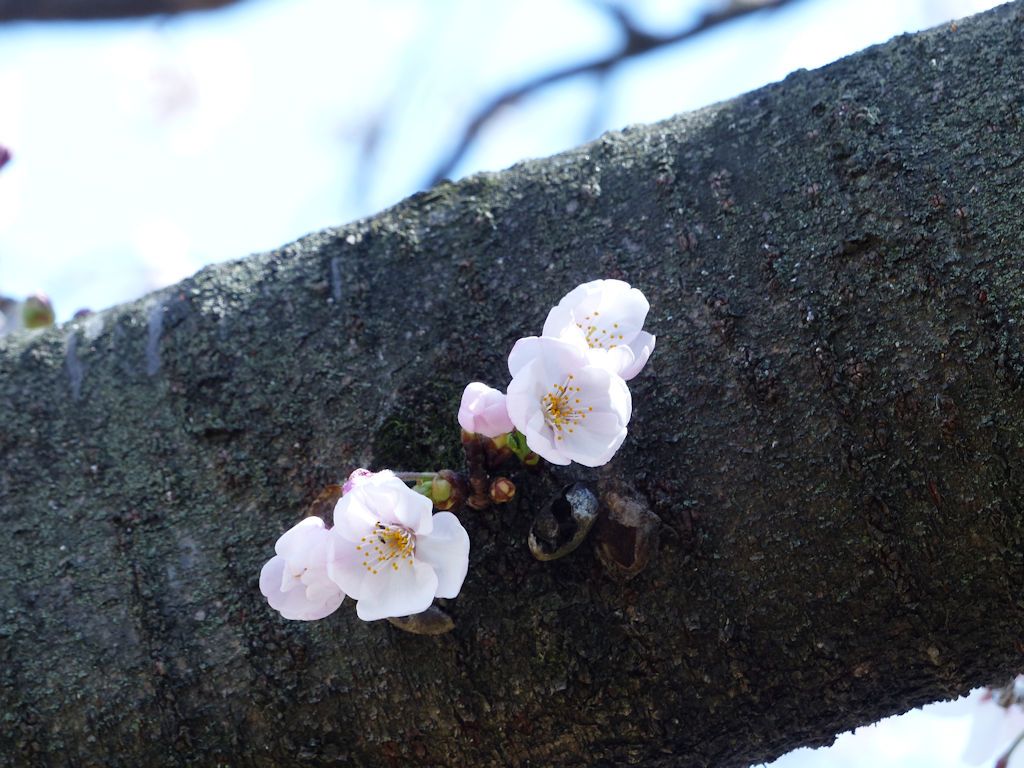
{"x":998,"y":721}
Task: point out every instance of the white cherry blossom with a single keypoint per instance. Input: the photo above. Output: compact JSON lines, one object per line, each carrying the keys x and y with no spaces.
{"x":390,"y":552}
{"x":483,"y":411}
{"x":606,"y":317}
{"x":568,"y":409}
{"x":295,"y":580}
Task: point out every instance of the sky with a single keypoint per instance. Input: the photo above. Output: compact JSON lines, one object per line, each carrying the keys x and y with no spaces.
{"x":144,"y":150}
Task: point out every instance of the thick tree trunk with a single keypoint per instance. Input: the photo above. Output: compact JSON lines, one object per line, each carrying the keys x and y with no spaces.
{"x":831,"y":431}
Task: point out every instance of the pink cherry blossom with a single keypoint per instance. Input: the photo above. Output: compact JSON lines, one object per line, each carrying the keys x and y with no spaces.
{"x":295,"y":580}
{"x":390,"y":553}
{"x":606,"y":318}
{"x":568,"y":409}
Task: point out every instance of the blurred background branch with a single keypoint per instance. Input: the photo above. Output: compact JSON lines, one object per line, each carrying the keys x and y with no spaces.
{"x":635,"y":42}
{"x":83,"y":10}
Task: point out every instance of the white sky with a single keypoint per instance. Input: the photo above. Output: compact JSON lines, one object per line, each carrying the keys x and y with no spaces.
{"x":144,"y":150}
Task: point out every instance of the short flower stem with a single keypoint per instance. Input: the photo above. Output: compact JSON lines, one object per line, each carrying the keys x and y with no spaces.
{"x":414,"y":477}
{"x":476,"y":463}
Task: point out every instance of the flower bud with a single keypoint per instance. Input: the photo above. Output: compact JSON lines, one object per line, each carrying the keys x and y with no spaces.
{"x":483,"y":411}
{"x":448,"y":490}
{"x":82,"y":313}
{"x":37,"y":311}
{"x":502,"y":490}
{"x":440,"y":490}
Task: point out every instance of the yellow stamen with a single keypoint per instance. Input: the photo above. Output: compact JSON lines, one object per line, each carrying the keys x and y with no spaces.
{"x":394,"y":544}
{"x":596,"y":336}
{"x":558,"y":413}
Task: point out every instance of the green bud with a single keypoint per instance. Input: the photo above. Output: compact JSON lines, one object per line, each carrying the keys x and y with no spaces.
{"x":37,"y":311}
{"x":440,"y":491}
{"x":449,"y":490}
{"x":516,"y":442}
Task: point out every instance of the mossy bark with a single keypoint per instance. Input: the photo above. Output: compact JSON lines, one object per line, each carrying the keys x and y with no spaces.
{"x":831,"y":431}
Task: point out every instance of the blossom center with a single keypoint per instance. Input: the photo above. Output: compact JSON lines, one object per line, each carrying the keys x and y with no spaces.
{"x":598,"y":336}
{"x":387,"y":545}
{"x":562,"y":409}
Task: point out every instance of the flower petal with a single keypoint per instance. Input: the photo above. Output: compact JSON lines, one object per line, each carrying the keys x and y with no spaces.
{"x":614,"y":359}
{"x":345,"y":565}
{"x":557,"y":356}
{"x":642,"y":346}
{"x":559,"y":321}
{"x":542,"y":442}
{"x":609,"y":311}
{"x":299,"y":538}
{"x":523,"y":351}
{"x":352,"y":518}
{"x":523,"y":393}
{"x":392,"y":592}
{"x":413,"y":511}
{"x":447,"y":551}
{"x":582,"y":448}
{"x":296,"y":604}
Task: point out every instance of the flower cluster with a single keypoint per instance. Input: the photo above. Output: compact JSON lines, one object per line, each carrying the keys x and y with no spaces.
{"x":567,"y":401}
{"x":387,"y":550}
{"x":568,"y":394}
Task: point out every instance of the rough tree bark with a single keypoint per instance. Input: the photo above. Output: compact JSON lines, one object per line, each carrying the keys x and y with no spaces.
{"x":831,"y":432}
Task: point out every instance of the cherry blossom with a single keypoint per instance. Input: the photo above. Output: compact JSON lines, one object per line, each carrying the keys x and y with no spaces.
{"x":390,"y":553}
{"x":568,"y":409}
{"x":295,"y":580}
{"x":606,"y":317}
{"x":483,"y":411}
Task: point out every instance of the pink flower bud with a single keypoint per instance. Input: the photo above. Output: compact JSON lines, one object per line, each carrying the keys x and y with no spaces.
{"x":483,"y":411}
{"x":5,"y":155}
{"x":502,"y":490}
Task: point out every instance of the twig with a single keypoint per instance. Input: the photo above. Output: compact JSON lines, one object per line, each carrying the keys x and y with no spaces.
{"x":636,"y":42}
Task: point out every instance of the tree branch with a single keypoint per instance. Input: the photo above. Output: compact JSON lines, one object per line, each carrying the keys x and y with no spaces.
{"x":83,"y":10}
{"x":829,"y":432}
{"x":635,"y":42}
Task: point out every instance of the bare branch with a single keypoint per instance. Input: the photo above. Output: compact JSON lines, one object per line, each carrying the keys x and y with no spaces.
{"x":89,"y":10}
{"x":636,"y":42}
